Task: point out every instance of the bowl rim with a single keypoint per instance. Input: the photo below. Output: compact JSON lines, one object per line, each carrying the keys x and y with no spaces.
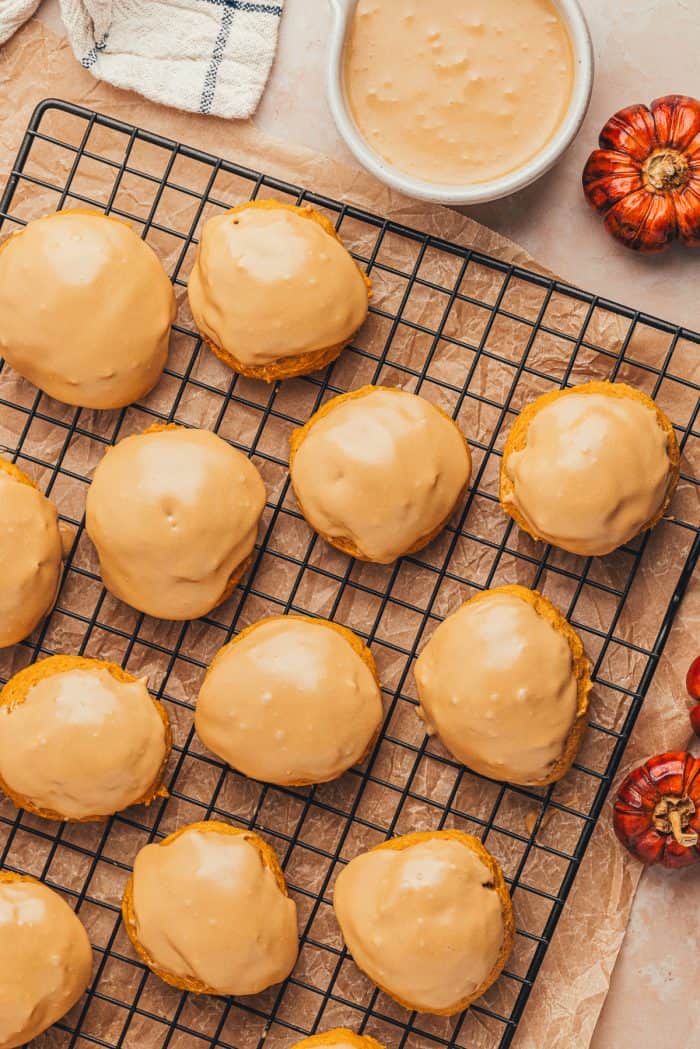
{"x":476,"y":193}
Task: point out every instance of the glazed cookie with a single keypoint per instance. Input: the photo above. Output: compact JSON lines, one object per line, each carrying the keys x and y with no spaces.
{"x":207,"y":910}
{"x":80,"y":739}
{"x":274,"y":292}
{"x":173,"y":514}
{"x":85,"y":309}
{"x":504,"y":682}
{"x":428,"y":918}
{"x":588,"y":468}
{"x":338,"y":1038}
{"x":31,"y":555}
{"x":379,"y":472}
{"x":45,"y":959}
{"x":291,"y":700}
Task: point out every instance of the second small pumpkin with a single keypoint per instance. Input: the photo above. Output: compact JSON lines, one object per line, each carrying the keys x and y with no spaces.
{"x":644,"y":178}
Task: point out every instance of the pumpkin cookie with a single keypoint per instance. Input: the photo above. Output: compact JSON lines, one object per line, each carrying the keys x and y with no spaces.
{"x":207,"y":910}
{"x":378,"y":472}
{"x":85,"y":309}
{"x":428,"y":918}
{"x":274,"y":292}
{"x":588,"y":468}
{"x":173,"y":514}
{"x":291,"y":700}
{"x":504,"y":682}
{"x":31,"y":555}
{"x":80,"y":739}
{"x":45,"y":959}
{"x":339,"y":1038}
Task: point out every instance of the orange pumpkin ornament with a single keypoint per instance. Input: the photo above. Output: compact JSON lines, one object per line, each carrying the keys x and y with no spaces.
{"x":656,"y":814}
{"x":645,"y":178}
{"x":692,"y":683}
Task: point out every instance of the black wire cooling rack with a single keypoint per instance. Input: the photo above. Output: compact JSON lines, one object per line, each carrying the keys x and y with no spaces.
{"x":481,"y":338}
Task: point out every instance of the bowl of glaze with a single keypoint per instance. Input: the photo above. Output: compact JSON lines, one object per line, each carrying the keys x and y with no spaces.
{"x":570,"y":13}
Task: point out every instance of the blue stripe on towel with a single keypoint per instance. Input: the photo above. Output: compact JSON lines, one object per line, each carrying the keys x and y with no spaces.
{"x":209,"y":88}
{"x":229,"y":6}
{"x":245,"y":5}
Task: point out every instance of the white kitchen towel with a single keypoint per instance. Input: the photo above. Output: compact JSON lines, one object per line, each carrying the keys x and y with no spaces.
{"x":206,"y":56}
{"x":13,"y":14}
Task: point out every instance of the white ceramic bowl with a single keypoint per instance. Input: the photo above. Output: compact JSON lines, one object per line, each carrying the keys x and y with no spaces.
{"x":476,"y":193}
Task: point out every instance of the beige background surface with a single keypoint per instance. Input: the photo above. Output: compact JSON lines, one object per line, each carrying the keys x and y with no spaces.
{"x":643,"y":48}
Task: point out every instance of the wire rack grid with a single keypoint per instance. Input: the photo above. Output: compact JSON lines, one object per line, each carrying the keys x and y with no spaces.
{"x":474,"y":334}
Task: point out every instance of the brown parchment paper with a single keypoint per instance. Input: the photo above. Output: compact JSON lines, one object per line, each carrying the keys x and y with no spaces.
{"x":574,"y":979}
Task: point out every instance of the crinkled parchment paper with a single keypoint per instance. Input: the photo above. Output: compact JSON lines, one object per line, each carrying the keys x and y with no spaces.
{"x":574,"y":978}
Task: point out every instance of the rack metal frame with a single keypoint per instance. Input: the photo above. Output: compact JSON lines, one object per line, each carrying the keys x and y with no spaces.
{"x":122,"y":1007}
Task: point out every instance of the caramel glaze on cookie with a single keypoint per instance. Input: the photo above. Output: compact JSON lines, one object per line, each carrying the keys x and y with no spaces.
{"x":81,"y":739}
{"x":378,"y":472}
{"x":428,"y":918}
{"x":45,"y":959}
{"x":588,"y":468}
{"x":31,"y":555}
{"x":173,"y":513}
{"x":207,"y":910}
{"x":274,"y":292}
{"x":85,"y":309}
{"x":338,"y":1038}
{"x":291,"y":700}
{"x":519,"y":712}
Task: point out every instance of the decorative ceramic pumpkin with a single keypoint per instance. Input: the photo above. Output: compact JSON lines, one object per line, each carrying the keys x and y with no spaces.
{"x":645,"y":178}
{"x":692,"y":683}
{"x":657,"y":810}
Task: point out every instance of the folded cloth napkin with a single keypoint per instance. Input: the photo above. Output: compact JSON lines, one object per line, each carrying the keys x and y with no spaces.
{"x":206,"y":56}
{"x":13,"y":14}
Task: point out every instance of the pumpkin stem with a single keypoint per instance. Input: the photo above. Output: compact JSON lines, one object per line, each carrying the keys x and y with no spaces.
{"x":672,"y":815}
{"x":666,"y":170}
